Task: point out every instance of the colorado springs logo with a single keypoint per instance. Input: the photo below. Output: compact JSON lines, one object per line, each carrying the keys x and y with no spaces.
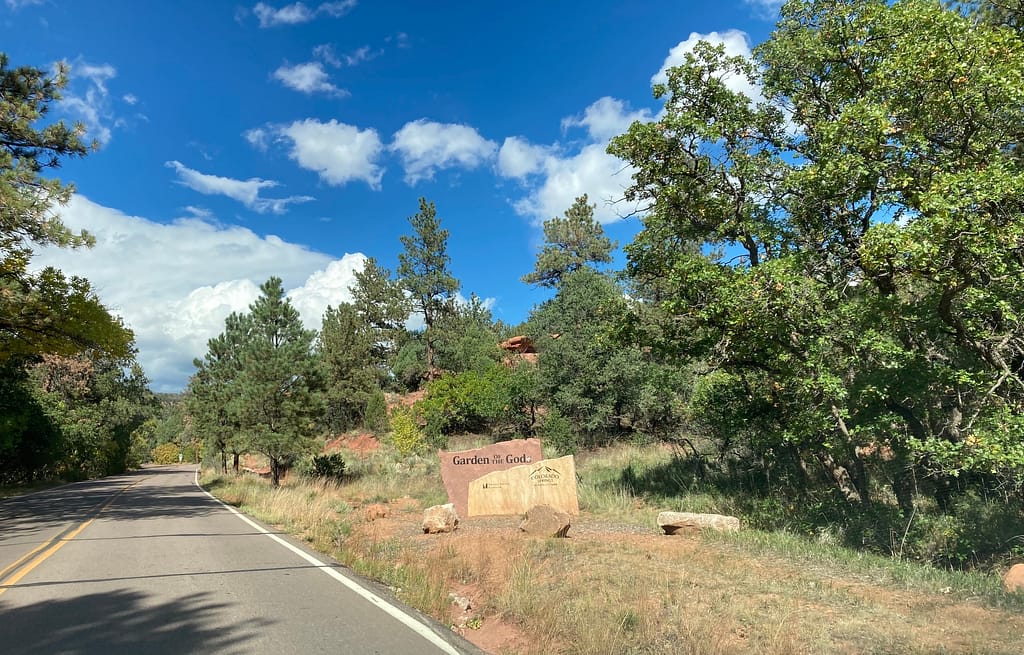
{"x":544,"y":474}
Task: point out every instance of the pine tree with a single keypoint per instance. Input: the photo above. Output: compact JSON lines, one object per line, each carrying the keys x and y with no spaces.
{"x":570,"y":243}
{"x":423,"y":272}
{"x":345,"y":346}
{"x":382,"y":308}
{"x":42,"y":312}
{"x":279,"y":384}
{"x":211,"y":403}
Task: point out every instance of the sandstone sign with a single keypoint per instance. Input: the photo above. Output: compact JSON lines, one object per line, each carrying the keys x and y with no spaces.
{"x":514,"y":491}
{"x":460,"y":468}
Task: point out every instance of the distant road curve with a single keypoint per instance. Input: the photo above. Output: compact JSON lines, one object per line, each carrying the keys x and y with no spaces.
{"x":149,"y":563}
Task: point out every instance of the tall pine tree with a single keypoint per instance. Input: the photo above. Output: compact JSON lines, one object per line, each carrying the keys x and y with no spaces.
{"x":279,"y":386}
{"x":346,"y":345}
{"x":423,"y":273}
{"x":570,"y":242}
{"x":382,"y":308}
{"x":211,"y":403}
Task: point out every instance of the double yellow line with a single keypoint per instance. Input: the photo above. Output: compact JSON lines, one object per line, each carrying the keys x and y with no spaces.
{"x":25,"y":564}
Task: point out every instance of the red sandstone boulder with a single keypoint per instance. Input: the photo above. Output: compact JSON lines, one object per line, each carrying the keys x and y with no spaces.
{"x":1014,"y":579}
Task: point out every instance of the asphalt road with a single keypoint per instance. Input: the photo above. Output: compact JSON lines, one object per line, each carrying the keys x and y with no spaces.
{"x":148,"y":563}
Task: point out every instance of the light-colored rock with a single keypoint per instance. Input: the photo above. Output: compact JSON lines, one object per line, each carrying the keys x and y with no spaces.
{"x":546,"y":521}
{"x":440,"y":518}
{"x":676,"y":522}
{"x":460,"y":601}
{"x":1013,"y":581}
{"x":516,"y":490}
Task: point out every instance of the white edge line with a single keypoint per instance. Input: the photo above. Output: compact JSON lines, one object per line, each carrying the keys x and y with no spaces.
{"x":403,"y":617}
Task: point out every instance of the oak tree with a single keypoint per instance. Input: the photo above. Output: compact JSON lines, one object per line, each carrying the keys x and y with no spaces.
{"x":858,"y":275}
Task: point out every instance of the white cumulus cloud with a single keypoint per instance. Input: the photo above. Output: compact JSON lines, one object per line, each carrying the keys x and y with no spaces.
{"x":325,"y":52}
{"x":338,"y":152}
{"x":246,"y":192}
{"x":176,"y":282}
{"x":288,"y":15}
{"x":591,"y":171}
{"x":257,"y":138}
{"x":428,"y":146}
{"x":606,"y":118}
{"x":553,"y":176}
{"x":336,"y":9}
{"x":327,"y":286}
{"x":308,"y":78}
{"x":518,"y":158}
{"x":736,"y":43}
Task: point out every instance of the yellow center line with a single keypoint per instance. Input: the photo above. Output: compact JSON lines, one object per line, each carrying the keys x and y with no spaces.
{"x":13,"y":580}
{"x":54,"y":545}
{"x":21,"y":560}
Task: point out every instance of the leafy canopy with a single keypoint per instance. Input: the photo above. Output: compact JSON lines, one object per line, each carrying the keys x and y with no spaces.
{"x":848,"y":247}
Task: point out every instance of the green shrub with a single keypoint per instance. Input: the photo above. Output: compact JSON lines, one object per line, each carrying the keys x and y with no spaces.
{"x":465,"y":402}
{"x":138,"y":451}
{"x":329,"y":466}
{"x":557,"y":433}
{"x":476,"y":401}
{"x":406,"y":436}
{"x":410,"y":365}
{"x":974,"y":533}
{"x":375,"y":416}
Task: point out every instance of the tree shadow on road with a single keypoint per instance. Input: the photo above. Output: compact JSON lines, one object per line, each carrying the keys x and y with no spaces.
{"x":123,"y":621}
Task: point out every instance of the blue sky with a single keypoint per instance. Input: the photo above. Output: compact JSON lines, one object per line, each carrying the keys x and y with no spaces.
{"x":240,"y":141}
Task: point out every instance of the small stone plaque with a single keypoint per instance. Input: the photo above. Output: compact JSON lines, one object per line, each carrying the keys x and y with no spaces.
{"x":459,"y":468}
{"x":546,"y":482}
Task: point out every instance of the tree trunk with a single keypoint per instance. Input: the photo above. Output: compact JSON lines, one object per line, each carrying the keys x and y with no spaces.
{"x":841,"y":477}
{"x":223,"y":461}
{"x":903,"y":487}
{"x":838,"y":472}
{"x":800,"y":465}
{"x":943,"y":492}
{"x":904,"y":484}
{"x":428,"y":339}
{"x":234,"y":463}
{"x":275,"y":471}
{"x":863,"y":479}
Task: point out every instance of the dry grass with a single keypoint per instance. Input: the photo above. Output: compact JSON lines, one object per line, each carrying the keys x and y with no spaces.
{"x":616,"y":586}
